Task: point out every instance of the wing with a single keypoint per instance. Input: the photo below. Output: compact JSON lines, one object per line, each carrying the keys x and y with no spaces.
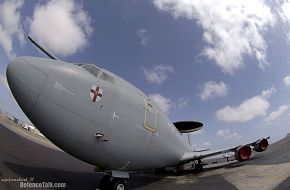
{"x":242,"y":152}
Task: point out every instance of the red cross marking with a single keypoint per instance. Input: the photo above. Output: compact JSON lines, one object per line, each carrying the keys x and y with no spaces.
{"x":96,"y":93}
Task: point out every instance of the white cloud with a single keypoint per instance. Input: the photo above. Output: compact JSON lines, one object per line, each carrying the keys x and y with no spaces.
{"x":269,"y":92}
{"x":287,"y":80}
{"x":275,"y":115}
{"x":61,"y":25}
{"x":10,"y":25}
{"x":162,"y":102}
{"x":285,"y":15}
{"x":199,"y":132}
{"x":227,"y":134}
{"x":248,"y":109}
{"x":213,"y":89}
{"x":182,"y":102}
{"x":232,"y":29}
{"x":143,"y":36}
{"x":158,"y":74}
{"x":3,"y":80}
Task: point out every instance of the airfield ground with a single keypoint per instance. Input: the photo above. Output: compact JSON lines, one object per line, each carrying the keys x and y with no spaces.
{"x":27,"y":155}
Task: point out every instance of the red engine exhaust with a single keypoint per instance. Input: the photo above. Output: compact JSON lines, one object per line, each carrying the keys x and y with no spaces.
{"x":243,"y":153}
{"x":261,"y":145}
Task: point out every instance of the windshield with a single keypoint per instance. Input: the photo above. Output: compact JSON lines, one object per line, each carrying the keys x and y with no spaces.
{"x":92,"y":69}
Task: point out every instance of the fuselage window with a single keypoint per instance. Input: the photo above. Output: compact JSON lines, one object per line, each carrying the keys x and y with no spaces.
{"x":92,"y":69}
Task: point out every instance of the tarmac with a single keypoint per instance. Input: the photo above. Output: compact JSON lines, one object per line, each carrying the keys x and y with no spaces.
{"x":28,"y":157}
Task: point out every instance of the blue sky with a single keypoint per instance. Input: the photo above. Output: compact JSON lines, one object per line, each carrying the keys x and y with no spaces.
{"x":224,"y":63}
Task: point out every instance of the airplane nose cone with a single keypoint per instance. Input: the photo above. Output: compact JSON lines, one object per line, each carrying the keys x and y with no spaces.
{"x":25,"y":81}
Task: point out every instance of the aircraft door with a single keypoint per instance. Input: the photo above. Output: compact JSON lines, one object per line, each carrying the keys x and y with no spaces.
{"x":150,"y":115}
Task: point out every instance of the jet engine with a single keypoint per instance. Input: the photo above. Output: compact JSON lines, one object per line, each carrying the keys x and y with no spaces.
{"x":243,"y":153}
{"x":261,"y":145}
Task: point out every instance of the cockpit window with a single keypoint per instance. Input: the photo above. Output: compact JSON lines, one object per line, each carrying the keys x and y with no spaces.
{"x":107,"y":77}
{"x":92,"y":69}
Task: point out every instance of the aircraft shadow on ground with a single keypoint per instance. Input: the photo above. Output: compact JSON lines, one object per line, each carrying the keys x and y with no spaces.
{"x":73,"y":180}
{"x":190,"y":180}
{"x":226,"y":166}
{"x":284,"y":185}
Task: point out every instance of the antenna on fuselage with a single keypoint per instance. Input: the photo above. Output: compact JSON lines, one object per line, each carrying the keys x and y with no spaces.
{"x":42,"y":49}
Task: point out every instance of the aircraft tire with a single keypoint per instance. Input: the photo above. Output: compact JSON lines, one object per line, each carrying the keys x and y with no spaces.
{"x":198,"y":168}
{"x":118,"y":184}
{"x":105,"y":182}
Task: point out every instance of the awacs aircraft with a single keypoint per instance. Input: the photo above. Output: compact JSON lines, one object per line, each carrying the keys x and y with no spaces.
{"x":102,"y":119}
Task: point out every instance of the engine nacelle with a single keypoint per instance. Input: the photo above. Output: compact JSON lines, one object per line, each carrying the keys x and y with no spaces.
{"x":243,"y":153}
{"x":261,"y":145}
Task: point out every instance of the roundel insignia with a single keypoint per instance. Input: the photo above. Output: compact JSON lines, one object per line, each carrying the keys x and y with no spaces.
{"x":96,"y":93}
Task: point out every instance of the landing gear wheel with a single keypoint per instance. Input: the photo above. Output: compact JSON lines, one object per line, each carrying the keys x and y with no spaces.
{"x":105,"y":182}
{"x":118,"y":184}
{"x":178,"y":170}
{"x":198,"y":167}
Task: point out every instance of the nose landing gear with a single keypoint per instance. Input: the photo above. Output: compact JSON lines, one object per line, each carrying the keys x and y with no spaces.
{"x":115,"y":181}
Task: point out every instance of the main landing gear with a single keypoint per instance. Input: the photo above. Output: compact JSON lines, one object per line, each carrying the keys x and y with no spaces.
{"x":115,"y":181}
{"x":198,"y":167}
